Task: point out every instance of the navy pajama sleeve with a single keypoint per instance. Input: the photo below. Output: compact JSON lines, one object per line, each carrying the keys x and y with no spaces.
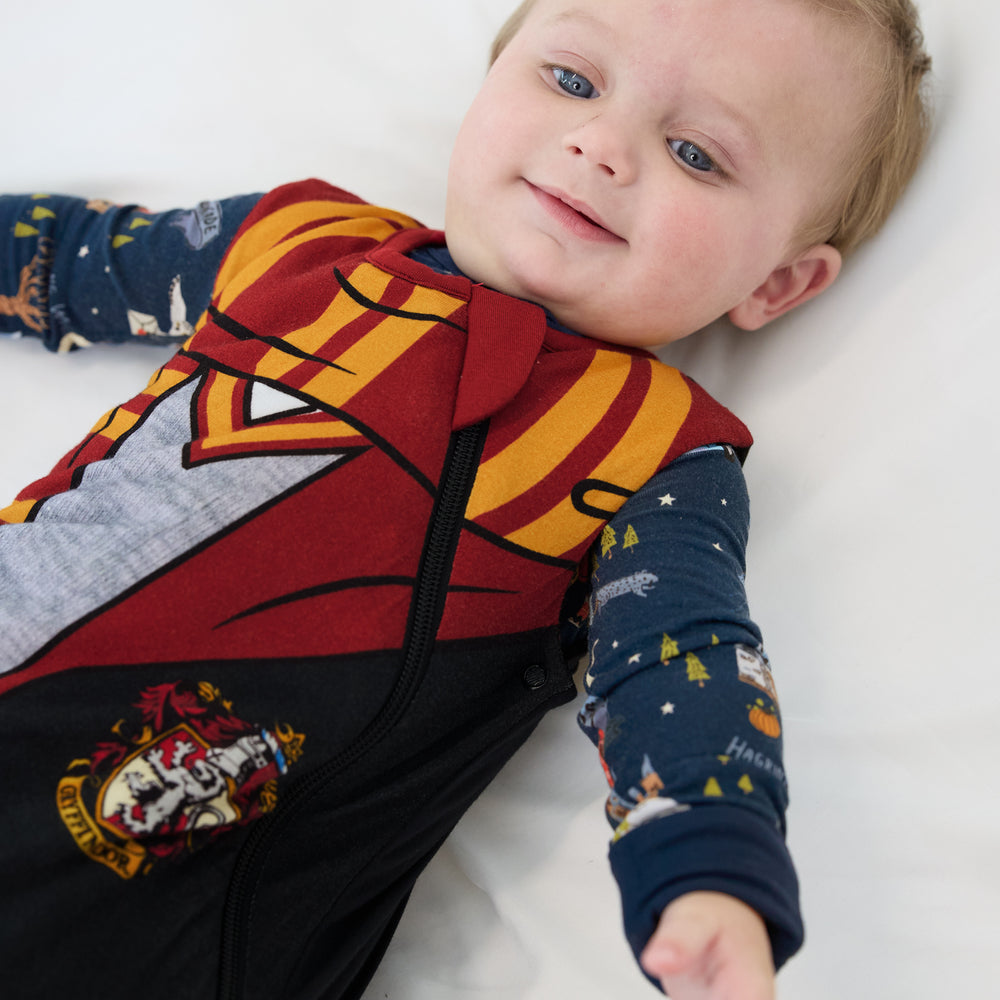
{"x":76,"y":272}
{"x":682,"y":705}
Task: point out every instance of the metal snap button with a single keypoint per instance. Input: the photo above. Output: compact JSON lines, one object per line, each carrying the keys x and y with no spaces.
{"x":535,"y":677}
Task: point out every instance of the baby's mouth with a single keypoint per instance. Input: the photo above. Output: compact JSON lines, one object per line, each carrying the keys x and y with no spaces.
{"x":573,"y":215}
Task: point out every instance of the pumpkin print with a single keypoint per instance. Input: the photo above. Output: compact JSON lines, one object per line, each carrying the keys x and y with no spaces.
{"x":765,"y":720}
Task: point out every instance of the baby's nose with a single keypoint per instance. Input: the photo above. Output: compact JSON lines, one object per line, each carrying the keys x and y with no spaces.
{"x":605,"y":143}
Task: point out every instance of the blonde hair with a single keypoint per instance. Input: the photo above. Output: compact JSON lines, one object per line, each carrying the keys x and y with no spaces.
{"x":509,"y":29}
{"x":890,"y":139}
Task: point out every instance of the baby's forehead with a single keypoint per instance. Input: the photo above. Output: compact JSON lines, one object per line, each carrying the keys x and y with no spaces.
{"x":839,"y":18}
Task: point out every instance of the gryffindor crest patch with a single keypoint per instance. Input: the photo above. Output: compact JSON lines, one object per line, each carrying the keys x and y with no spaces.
{"x":182,"y":771}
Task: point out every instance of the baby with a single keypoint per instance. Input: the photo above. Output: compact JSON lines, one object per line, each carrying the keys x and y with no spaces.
{"x":331,"y":565}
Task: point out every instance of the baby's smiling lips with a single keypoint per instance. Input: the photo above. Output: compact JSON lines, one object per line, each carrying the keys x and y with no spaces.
{"x":576,"y":216}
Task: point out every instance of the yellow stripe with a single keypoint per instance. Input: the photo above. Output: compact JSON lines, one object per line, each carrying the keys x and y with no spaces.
{"x":258,"y":265}
{"x":164,"y":379}
{"x":280,"y":432}
{"x":219,"y":405}
{"x":543,"y":445}
{"x":377,"y":350}
{"x":263,"y":244}
{"x":160,"y":382}
{"x":265,"y":233}
{"x":17,"y":512}
{"x":121,"y":423}
{"x":221,"y":432}
{"x":563,"y":528}
{"x":277,"y":363}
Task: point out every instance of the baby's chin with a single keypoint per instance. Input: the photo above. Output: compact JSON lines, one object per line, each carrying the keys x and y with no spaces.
{"x":611,"y":330}
{"x":607,"y":324}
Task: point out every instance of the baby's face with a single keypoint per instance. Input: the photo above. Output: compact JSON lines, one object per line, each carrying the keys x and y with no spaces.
{"x":639,"y":167}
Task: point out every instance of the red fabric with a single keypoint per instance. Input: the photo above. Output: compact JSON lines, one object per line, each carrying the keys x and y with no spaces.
{"x":386,"y":389}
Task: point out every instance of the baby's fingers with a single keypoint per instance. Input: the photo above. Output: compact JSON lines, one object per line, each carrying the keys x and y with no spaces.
{"x":679,"y":945}
{"x":709,"y":946}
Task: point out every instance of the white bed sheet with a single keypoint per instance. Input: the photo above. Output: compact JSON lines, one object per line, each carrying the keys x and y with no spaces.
{"x":873,"y":560}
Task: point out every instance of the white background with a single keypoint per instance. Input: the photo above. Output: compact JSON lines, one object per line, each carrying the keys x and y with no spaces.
{"x":873,"y":561}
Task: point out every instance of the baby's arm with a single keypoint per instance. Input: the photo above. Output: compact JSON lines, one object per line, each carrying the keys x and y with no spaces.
{"x":684,"y":711}
{"x":75,"y":272}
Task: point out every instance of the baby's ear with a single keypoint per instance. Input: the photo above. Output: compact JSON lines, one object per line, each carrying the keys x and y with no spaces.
{"x":788,"y":286}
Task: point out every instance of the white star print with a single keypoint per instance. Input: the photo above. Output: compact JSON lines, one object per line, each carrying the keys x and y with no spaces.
{"x":667,"y":708}
{"x":717,"y":546}
{"x":635,"y":658}
{"x":667,"y":500}
{"x":724,"y":503}
{"x":84,"y":250}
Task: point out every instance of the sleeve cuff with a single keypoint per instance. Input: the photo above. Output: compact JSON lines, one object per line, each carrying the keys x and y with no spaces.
{"x":717,"y":848}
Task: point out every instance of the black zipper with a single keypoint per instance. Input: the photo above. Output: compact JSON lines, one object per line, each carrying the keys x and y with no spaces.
{"x":429,"y":595}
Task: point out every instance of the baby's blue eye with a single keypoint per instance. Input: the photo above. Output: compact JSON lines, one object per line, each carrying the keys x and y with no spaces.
{"x":692,"y":155}
{"x":573,"y":83}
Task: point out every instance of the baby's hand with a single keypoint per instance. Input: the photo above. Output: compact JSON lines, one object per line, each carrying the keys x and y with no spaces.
{"x":709,"y":946}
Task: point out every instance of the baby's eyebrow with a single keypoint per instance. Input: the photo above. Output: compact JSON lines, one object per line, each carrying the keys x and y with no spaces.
{"x":576,"y":14}
{"x":749,"y":135}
